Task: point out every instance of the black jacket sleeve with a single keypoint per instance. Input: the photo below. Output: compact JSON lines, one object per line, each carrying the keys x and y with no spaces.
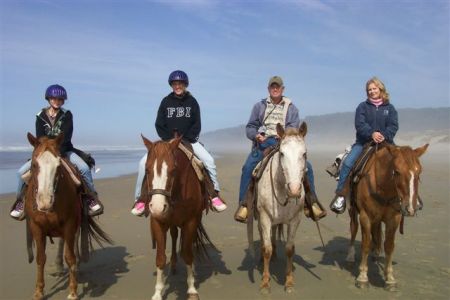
{"x":161,"y":123}
{"x":193,"y":133}
{"x":67,"y":129}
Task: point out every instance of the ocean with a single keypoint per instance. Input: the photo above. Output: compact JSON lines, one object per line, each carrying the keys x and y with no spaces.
{"x":111,"y":163}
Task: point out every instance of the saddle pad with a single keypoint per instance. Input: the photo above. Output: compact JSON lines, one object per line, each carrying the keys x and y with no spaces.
{"x":196,"y":163}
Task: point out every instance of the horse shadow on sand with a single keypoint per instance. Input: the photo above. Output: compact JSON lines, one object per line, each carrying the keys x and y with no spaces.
{"x":204,"y":268}
{"x":104,"y":268}
{"x":252,"y":262}
{"x":335,"y":254}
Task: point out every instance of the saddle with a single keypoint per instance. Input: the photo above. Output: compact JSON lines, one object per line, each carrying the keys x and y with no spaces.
{"x":356,"y":172}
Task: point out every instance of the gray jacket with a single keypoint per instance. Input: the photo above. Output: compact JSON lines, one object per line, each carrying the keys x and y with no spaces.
{"x":257,"y":117}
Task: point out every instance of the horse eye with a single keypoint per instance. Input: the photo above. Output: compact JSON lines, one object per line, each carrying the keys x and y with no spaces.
{"x":304,"y":155}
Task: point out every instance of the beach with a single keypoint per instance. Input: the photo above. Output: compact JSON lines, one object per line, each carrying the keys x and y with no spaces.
{"x":126,"y":270}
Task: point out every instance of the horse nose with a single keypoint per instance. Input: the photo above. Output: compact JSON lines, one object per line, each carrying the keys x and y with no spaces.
{"x":294,"y":189}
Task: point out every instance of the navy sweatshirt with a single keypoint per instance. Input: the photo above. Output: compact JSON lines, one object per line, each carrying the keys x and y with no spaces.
{"x":180,"y":113}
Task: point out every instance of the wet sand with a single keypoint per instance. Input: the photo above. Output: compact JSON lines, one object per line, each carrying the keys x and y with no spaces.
{"x":125,"y":270}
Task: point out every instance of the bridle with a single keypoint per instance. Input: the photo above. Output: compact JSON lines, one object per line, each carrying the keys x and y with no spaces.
{"x":167,"y":192}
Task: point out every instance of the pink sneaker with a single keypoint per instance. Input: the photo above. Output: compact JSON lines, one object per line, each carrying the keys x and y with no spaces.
{"x":138,"y":209}
{"x":218,"y":204}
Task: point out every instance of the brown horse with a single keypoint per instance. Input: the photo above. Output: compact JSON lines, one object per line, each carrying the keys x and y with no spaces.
{"x":176,"y":199}
{"x":386,"y":192}
{"x":53,"y":208}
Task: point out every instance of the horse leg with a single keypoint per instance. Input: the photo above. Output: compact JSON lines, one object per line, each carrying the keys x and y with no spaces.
{"x":69,"y":256}
{"x":266,"y":228}
{"x":290,"y":250}
{"x":273,"y":240}
{"x":391,"y":227}
{"x":173,"y":257}
{"x":353,"y":231}
{"x":188,"y":233}
{"x":376,"y":241}
{"x":159,"y":234}
{"x":59,"y":267}
{"x":362,"y":279}
{"x":40,"y":261}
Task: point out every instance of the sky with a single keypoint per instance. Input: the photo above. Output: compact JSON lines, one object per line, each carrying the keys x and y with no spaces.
{"x":114,"y":59}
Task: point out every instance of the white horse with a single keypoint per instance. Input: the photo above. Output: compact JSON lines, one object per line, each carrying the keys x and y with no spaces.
{"x":280,"y":197}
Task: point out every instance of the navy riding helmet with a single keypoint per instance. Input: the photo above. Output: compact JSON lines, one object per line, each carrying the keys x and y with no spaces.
{"x":178,"y":75}
{"x":56,"y":91}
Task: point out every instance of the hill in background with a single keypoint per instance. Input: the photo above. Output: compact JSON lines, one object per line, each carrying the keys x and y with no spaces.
{"x":335,"y":131}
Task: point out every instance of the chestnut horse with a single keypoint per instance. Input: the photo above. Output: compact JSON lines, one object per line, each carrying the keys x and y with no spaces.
{"x":280,"y":199}
{"x":53,"y":208}
{"x":386,"y":192}
{"x":176,"y":199}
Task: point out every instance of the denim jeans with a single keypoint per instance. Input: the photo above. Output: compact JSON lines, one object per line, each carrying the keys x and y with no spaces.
{"x":199,"y":151}
{"x":74,"y":159}
{"x":254,"y":158}
{"x":347,"y":165}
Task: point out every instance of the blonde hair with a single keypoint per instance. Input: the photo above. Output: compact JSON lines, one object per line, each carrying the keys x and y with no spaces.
{"x":383,"y":92}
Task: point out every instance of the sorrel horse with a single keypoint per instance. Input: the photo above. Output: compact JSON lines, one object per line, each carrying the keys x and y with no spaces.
{"x":53,"y":208}
{"x":176,"y":199}
{"x":386,"y":192}
{"x":280,"y":198}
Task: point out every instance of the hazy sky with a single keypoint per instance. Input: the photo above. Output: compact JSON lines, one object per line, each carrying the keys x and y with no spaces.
{"x":114,"y":57}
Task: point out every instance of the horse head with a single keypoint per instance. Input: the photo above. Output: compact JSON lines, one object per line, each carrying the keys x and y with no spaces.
{"x":160,"y":171}
{"x":406,"y":174}
{"x":293,"y":157}
{"x":45,"y":162}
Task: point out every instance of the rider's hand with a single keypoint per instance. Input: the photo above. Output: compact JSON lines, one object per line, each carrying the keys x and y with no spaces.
{"x":377,"y":137}
{"x":260,"y":138}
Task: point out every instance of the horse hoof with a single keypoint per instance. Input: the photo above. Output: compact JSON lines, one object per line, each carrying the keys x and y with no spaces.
{"x":193,"y":297}
{"x":391,"y":287}
{"x":265,"y":290}
{"x":72,"y":297}
{"x":289,"y":289}
{"x":38,"y":296}
{"x":362,"y":284}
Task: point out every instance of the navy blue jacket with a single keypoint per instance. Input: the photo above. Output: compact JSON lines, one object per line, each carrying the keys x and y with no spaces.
{"x":369,"y":118}
{"x":182,"y":114}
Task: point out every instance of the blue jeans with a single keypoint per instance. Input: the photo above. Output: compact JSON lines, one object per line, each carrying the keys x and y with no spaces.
{"x":347,"y":165}
{"x":199,"y":151}
{"x":254,"y":158}
{"x":74,"y":159}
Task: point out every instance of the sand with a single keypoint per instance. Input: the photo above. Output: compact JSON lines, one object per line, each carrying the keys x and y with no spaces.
{"x":125,"y":270}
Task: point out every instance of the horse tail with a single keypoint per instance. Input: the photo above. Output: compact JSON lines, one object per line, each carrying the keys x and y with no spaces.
{"x":201,"y":241}
{"x":90,"y":230}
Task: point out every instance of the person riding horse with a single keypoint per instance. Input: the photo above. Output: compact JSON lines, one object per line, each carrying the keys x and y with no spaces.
{"x":51,"y":121}
{"x":179,"y":111}
{"x":261,"y":130}
{"x":376,"y":120}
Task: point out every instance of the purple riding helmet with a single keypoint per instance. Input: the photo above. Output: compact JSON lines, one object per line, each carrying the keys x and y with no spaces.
{"x":178,"y":75}
{"x":56,"y":91}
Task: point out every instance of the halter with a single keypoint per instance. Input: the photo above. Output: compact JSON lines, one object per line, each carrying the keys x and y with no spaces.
{"x":165,"y":192}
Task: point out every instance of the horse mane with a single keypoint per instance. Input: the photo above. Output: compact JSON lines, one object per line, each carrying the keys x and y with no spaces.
{"x":291,"y":131}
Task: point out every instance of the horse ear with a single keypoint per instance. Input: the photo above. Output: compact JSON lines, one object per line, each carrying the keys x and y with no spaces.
{"x":175,"y":142}
{"x":148,"y":144}
{"x":60,"y":138}
{"x":421,"y":150}
{"x":280,"y":130}
{"x":303,"y":129}
{"x":33,"y":141}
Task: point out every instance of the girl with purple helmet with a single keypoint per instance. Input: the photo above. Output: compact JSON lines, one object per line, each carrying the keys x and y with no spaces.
{"x":179,"y":111}
{"x":51,"y":121}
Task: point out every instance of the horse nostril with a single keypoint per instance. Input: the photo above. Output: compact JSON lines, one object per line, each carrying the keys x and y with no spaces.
{"x":165,"y":207}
